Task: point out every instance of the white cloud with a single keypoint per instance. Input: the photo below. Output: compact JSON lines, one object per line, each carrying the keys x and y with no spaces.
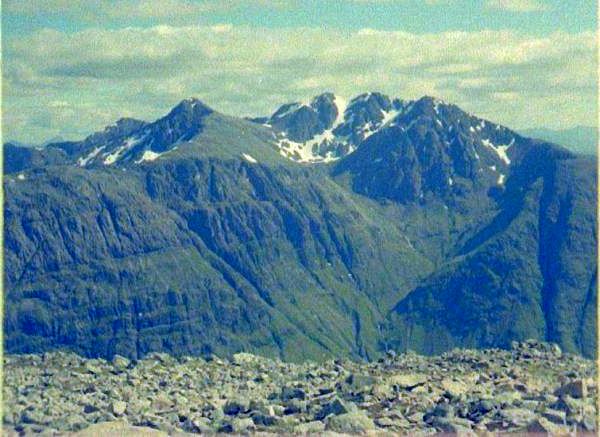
{"x":98,"y":75}
{"x":518,"y":5}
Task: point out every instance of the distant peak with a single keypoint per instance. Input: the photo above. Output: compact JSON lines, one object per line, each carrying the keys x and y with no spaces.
{"x":126,"y":121}
{"x":192,"y":102}
{"x":368,"y":96}
{"x":324,"y":97}
{"x":191,"y":105}
{"x":431,"y":100}
{"x":425,"y":99}
{"x":361,"y":97}
{"x":122,"y":124}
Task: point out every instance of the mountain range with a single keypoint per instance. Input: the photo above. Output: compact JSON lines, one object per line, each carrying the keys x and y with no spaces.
{"x":329,"y":228}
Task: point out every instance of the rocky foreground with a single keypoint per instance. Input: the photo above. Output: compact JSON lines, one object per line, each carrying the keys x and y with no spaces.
{"x":531,"y":388}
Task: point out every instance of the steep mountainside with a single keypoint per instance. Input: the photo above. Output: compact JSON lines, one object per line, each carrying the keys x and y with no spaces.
{"x":529,"y":272}
{"x":195,"y":256}
{"x":194,"y":234}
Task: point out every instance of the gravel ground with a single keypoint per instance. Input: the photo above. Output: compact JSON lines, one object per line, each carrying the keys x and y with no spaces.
{"x":531,"y":388}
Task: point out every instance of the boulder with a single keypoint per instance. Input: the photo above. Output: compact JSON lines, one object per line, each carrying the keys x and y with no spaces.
{"x":576,"y":389}
{"x":120,"y":363}
{"x":234,"y":407}
{"x":518,"y":417}
{"x":335,"y":407}
{"x":555,"y":416}
{"x":288,"y":393}
{"x":239,"y":424}
{"x":356,"y":422}
{"x":118,"y":408}
{"x":407,"y":381}
{"x":316,"y":426}
{"x":454,"y":425}
{"x":543,"y":425}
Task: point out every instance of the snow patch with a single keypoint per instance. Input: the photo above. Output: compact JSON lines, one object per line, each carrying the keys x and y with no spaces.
{"x":500,"y":150}
{"x":111,"y":158}
{"x":249,"y":158}
{"x":82,"y":162}
{"x":388,"y":116}
{"x":303,"y":152}
{"x":341,"y":106}
{"x":148,"y":155}
{"x":291,"y":108}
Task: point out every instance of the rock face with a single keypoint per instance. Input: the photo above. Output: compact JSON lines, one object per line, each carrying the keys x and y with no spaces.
{"x":193,"y":235}
{"x":56,"y":392}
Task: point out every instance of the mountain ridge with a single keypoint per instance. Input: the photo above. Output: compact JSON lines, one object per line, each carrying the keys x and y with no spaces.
{"x":197,"y":234}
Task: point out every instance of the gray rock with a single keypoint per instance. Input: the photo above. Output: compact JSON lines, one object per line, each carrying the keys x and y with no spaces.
{"x":335,"y":407}
{"x":315,"y":426}
{"x":118,"y":408}
{"x":543,"y":425}
{"x":234,"y":407}
{"x":93,"y":367}
{"x":452,"y":425}
{"x":242,"y":424}
{"x":120,"y":363}
{"x":352,"y":423}
{"x":407,"y":380}
{"x":555,"y":416}
{"x":576,"y":389}
{"x":288,"y":393}
{"x":443,"y":410}
{"x":518,"y":417}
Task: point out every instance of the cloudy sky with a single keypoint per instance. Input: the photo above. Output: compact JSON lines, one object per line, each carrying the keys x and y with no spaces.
{"x":73,"y":66}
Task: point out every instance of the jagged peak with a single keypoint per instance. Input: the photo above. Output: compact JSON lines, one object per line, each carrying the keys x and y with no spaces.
{"x":327,"y":96}
{"x":191,"y":104}
{"x":429,"y":102}
{"x":364,"y":97}
{"x":124,"y":122}
{"x":286,"y":109}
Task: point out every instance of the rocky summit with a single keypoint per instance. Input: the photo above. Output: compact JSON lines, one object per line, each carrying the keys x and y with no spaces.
{"x":533,"y":387}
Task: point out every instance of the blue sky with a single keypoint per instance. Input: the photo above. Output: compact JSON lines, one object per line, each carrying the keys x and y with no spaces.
{"x":533,"y":17}
{"x":71,"y":66}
